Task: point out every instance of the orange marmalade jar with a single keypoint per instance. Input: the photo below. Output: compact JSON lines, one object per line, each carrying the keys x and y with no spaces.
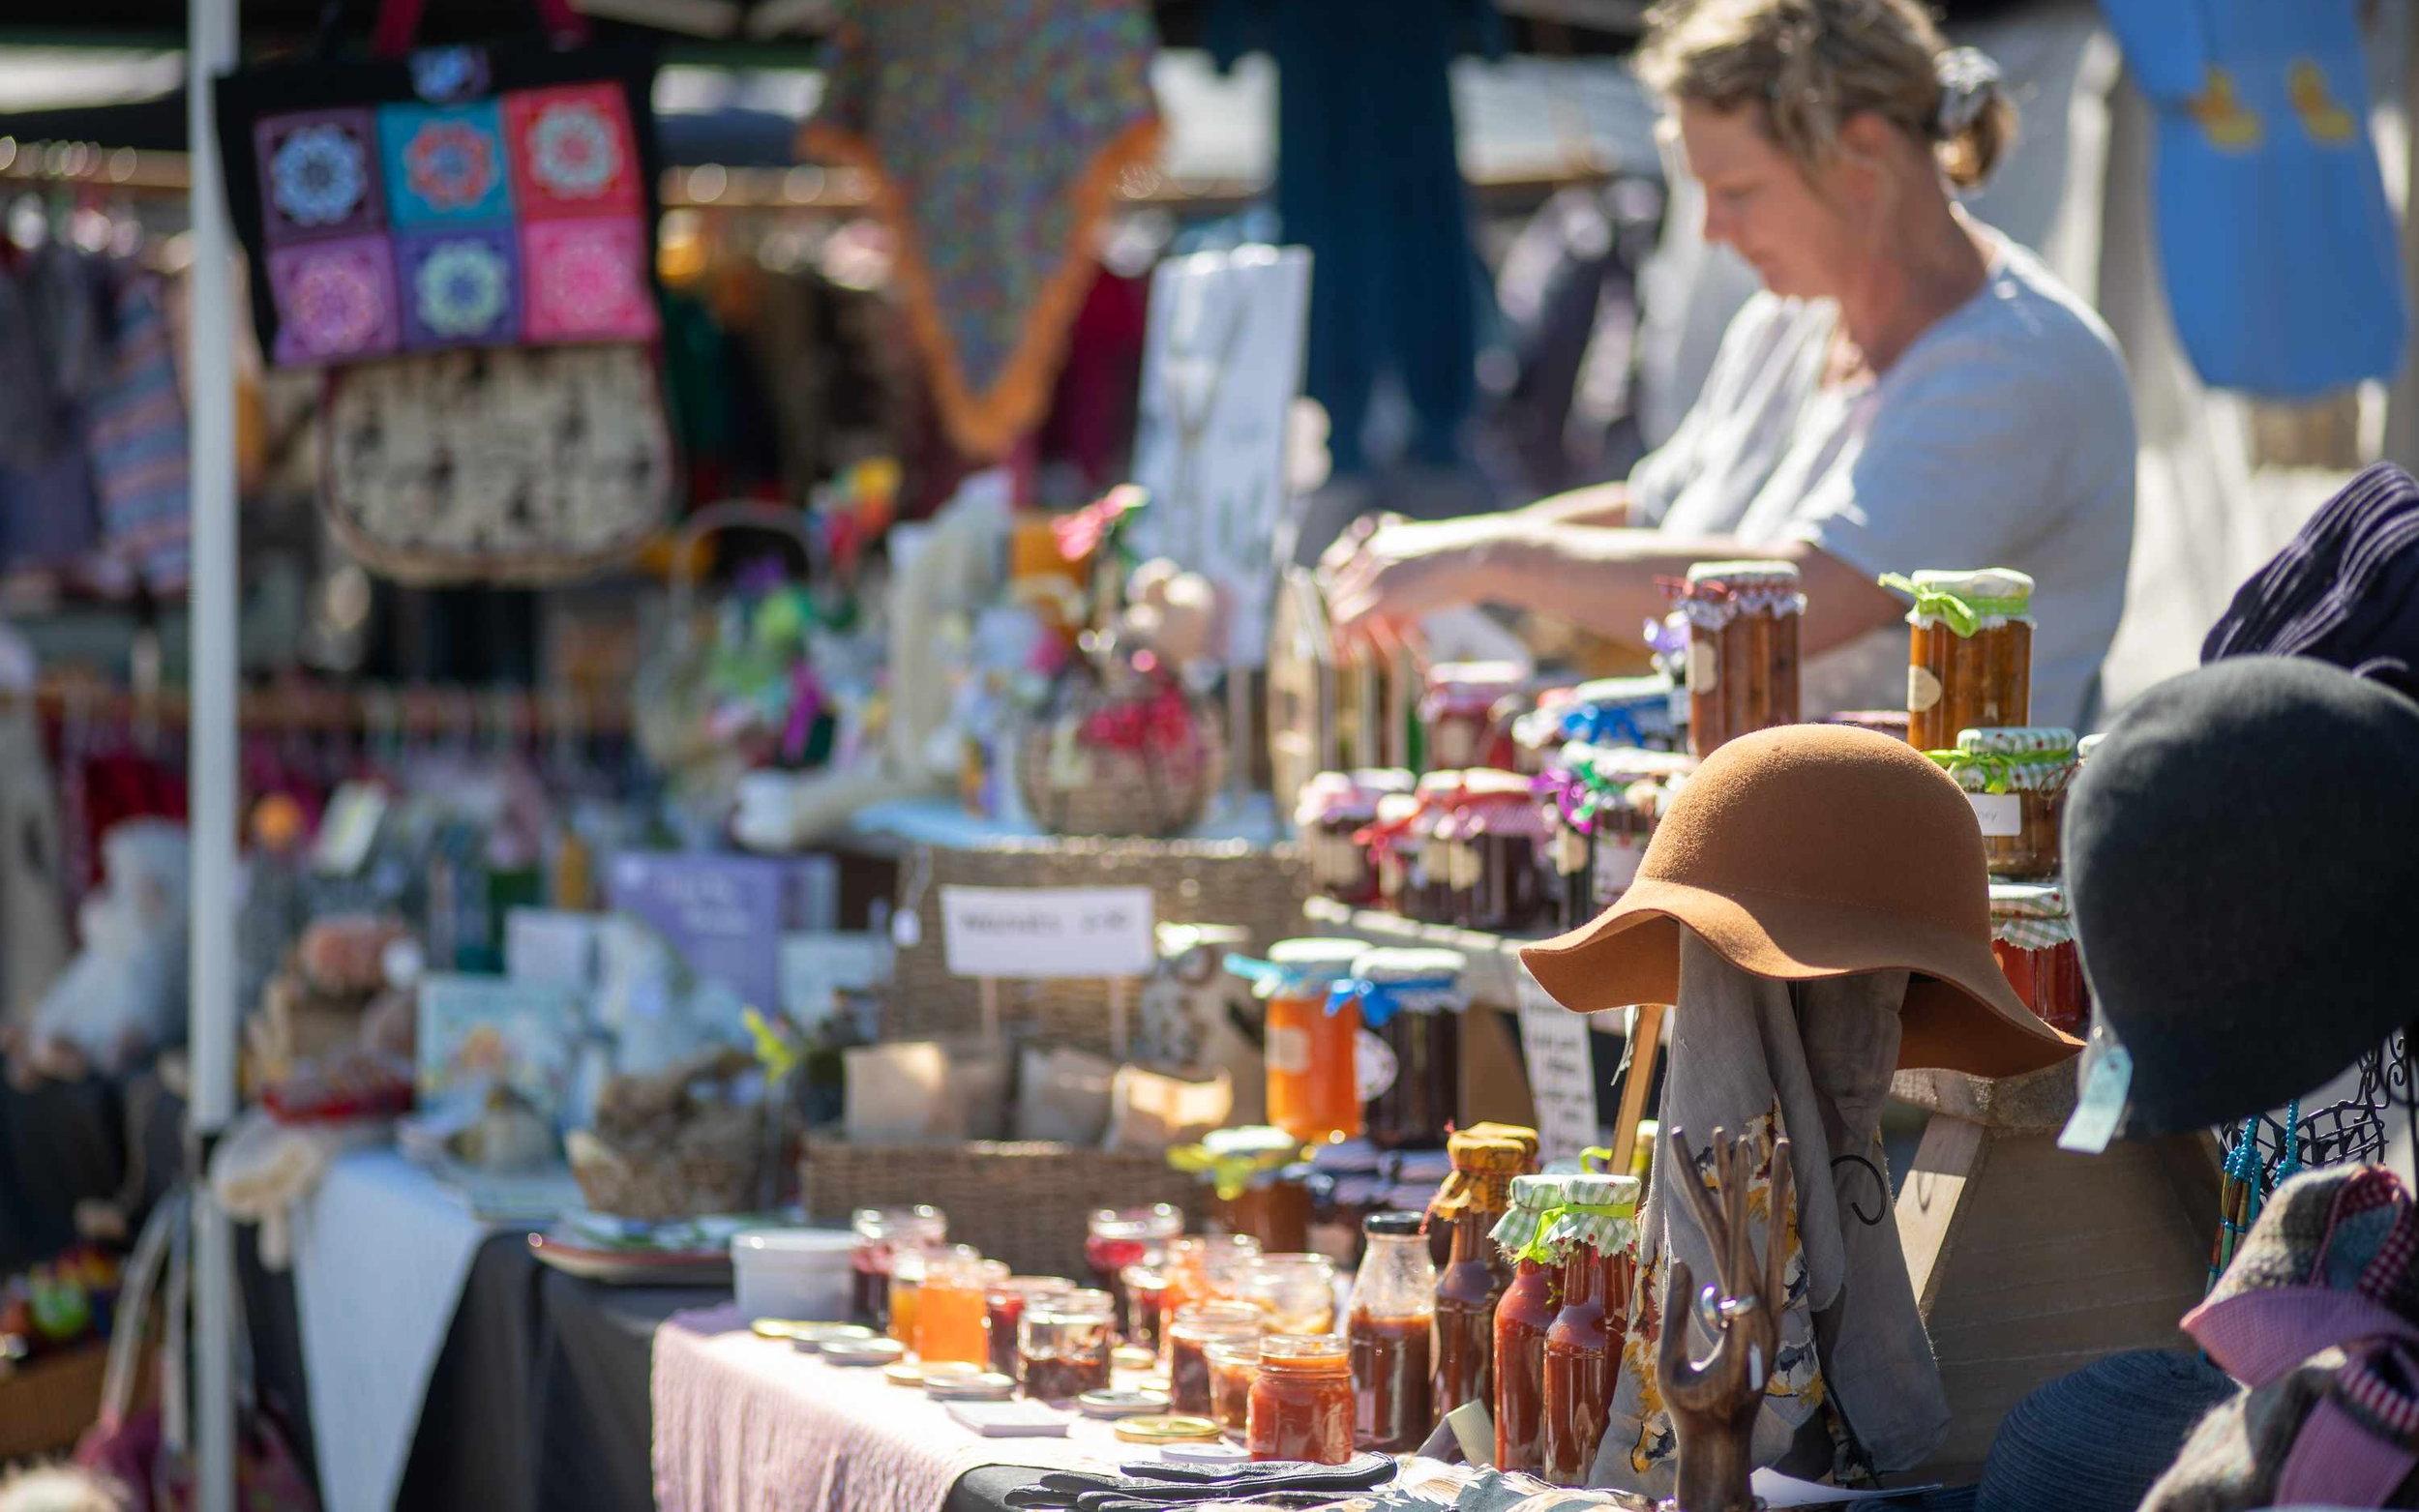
{"x":1314,"y":1081}
{"x":1969,"y":652}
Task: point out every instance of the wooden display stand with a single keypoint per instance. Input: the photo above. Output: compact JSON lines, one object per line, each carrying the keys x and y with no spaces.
{"x":2028,"y":1262}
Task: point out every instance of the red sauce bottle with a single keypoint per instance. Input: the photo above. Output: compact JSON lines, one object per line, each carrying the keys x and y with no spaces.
{"x":1583,"y":1348}
{"x":1521,"y":1320}
{"x":1475,"y":1276}
{"x":1389,"y":1337}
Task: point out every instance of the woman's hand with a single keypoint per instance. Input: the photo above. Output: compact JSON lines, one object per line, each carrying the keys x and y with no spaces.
{"x":1386,"y":572}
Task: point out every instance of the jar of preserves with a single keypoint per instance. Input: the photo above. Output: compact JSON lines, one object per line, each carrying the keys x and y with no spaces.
{"x":2017,"y":779}
{"x":1145,"y":1304}
{"x":1194,"y":1328}
{"x":1003,"y":1309}
{"x":1333,"y":808}
{"x":907,"y":1283}
{"x":1969,"y":653}
{"x":1457,"y":711}
{"x":1347,"y":1183}
{"x":1742,"y":649}
{"x":1117,"y":1238}
{"x":1472,"y":1202}
{"x":1234,"y":1364}
{"x":1252,"y":1183}
{"x":1393,"y":841}
{"x":1537,"y":735}
{"x":1313,"y":1075}
{"x":1568,"y":799}
{"x":1296,"y":1292}
{"x":2033,"y":937}
{"x":1433,"y":861}
{"x":1412,"y":1001}
{"x":952,"y":1306}
{"x":1063,"y":1344}
{"x":1596,"y":1229}
{"x":1390,"y":1335}
{"x":1521,"y":1319}
{"x":1497,"y":855}
{"x":1302,"y":1401}
{"x":1207,"y":1269}
{"x":880,"y":1233}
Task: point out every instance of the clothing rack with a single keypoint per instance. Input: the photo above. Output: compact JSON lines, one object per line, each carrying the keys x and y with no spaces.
{"x":410,"y":710}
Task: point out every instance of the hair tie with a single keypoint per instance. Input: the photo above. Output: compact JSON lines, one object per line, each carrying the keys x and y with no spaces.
{"x":1968,"y":81}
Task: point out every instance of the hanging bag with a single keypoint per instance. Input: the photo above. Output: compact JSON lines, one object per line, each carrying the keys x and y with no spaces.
{"x":463,"y":239}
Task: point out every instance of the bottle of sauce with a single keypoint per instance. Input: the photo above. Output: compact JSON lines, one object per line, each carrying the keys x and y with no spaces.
{"x":1473,"y":1199}
{"x":1596,"y":1229}
{"x":1393,"y":1318}
{"x":1302,"y":1401}
{"x":1313,"y":1079}
{"x":1969,"y":652}
{"x":1521,"y":1320}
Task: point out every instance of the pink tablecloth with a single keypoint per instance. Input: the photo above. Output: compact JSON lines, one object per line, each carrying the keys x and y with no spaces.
{"x":744,"y":1424}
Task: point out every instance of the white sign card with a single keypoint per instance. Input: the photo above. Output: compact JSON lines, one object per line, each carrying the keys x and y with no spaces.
{"x":1222,"y":364}
{"x":1037,"y":934}
{"x":1555,"y":1042}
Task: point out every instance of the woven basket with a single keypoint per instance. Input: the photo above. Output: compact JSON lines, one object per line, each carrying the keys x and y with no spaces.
{"x":1255,"y":888}
{"x":1029,"y":1205}
{"x":703,"y":1177}
{"x":1150,"y":790}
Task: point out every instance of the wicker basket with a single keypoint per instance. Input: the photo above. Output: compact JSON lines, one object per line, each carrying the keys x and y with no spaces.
{"x":701,"y":1176}
{"x":1258,"y":889}
{"x":1153,"y":787}
{"x":1028,"y":1204}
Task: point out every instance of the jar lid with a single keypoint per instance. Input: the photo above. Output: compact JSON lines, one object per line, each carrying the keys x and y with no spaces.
{"x":1297,"y":967}
{"x":1168,"y":1429}
{"x":2010,"y":759}
{"x":1598,"y":1211}
{"x":1302,"y":1348}
{"x":1440,"y":787}
{"x":1234,"y":1160}
{"x":1714,"y":593}
{"x":1334,"y":795}
{"x":2030,"y":915}
{"x":892,"y":1222}
{"x":1396,"y":964}
{"x":1030,"y":1286}
{"x":2029,"y":741}
{"x":1533,"y":1201}
{"x":1393,"y":1225}
{"x":1489,"y":1129}
{"x":1965,"y":598}
{"x":1480,"y":1151}
{"x":1743,"y":573}
{"x":1209,"y":1320}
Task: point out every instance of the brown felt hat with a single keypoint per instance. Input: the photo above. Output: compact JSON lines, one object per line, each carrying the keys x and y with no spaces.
{"x":1817,"y":851}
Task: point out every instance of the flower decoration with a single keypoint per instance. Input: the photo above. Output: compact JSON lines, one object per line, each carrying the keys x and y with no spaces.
{"x":338,"y":302}
{"x":574,"y":152}
{"x":1099,"y":523}
{"x":451,"y":164}
{"x":462,"y":287}
{"x":319,"y":174}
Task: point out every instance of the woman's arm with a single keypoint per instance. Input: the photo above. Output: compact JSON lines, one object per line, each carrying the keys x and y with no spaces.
{"x":1603,"y":504}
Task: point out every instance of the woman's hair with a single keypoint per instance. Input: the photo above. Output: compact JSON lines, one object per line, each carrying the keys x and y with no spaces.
{"x":1809,"y":65}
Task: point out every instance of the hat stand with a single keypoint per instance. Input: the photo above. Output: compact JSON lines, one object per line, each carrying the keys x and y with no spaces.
{"x":2028,"y":1262}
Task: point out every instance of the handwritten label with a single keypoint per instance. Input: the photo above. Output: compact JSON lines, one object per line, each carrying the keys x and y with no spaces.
{"x":1923,"y":689}
{"x":1289,"y":1051}
{"x":2001,"y":814}
{"x":1043,"y":932}
{"x":1554,"y":1042}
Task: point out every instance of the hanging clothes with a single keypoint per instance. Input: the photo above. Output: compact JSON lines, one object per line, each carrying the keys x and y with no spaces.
{"x":34,"y":942}
{"x":1368,"y":179}
{"x":134,"y":439}
{"x":2280,"y":251}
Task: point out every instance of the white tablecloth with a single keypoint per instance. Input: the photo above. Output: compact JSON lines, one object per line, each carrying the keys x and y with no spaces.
{"x":381,"y":1252}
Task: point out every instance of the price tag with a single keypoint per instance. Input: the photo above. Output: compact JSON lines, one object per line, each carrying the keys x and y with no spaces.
{"x":1375,"y":1066}
{"x":1288,"y":1050}
{"x":2000,"y":814}
{"x":1705,"y":666}
{"x":1035,"y":934}
{"x":1555,"y":1044}
{"x":1923,"y":689}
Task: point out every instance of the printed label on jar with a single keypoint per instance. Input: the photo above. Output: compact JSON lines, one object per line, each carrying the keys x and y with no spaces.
{"x":1289,"y":1051}
{"x":2001,"y":814}
{"x":1374,"y":1066}
{"x":1616,"y":865}
{"x":1705,"y":666}
{"x":1923,"y":689}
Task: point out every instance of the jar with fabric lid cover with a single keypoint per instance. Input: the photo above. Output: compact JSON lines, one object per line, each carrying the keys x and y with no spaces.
{"x":1522,"y":1317}
{"x":1313,"y":1078}
{"x":1412,"y":1000}
{"x":1474,"y":1198}
{"x":1255,"y":1186}
{"x":1594,"y":1229}
{"x":2032,"y":935}
{"x":1743,"y":648}
{"x":1969,"y":652}
{"x":1333,"y":808}
{"x":1622,"y":712}
{"x":1496,"y":852}
{"x":2016,"y":781}
{"x":1428,"y":893}
{"x":1458,"y":710}
{"x":1392,"y":840}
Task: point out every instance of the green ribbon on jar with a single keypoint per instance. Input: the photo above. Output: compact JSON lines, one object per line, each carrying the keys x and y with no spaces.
{"x":1960,"y":614}
{"x":2001,"y":771}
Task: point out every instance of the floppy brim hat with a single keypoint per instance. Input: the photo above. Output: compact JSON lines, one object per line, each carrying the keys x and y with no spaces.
{"x":1809,"y":851}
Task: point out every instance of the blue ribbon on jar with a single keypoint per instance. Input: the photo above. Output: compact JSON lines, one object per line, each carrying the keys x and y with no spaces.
{"x":1380,"y":1001}
{"x":1272,"y":979}
{"x":1606,"y":724}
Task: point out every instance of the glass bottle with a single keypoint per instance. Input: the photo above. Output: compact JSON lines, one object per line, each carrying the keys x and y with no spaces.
{"x":1190,"y":1335}
{"x":1302,"y":1401}
{"x":1413,"y":1001}
{"x":1313,"y":1077}
{"x":1064,"y":1345}
{"x":1521,"y":1319}
{"x":1393,"y":1321}
{"x":1969,"y":652}
{"x":1596,"y":1231}
{"x":879,"y":1231}
{"x":1475,"y":1199}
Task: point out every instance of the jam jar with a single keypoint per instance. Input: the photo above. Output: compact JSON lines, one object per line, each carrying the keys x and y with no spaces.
{"x":1496,"y":857}
{"x":1234,"y":1365}
{"x":1204,"y":1269}
{"x":907,"y":1283}
{"x":1472,"y":1200}
{"x":1412,"y":1001}
{"x":2017,"y":779}
{"x":1003,"y":1309}
{"x":1596,"y":1229}
{"x":1333,"y":808}
{"x":1145,"y":1304}
{"x":1313,"y":1078}
{"x":952,"y":1307}
{"x":1528,"y":1309}
{"x":2033,"y":938}
{"x":1063,"y":1344}
{"x":879,"y":1230}
{"x":1295,"y":1292}
{"x":1457,"y":712}
{"x":1302,"y":1401}
{"x":1117,"y":1238}
{"x":1392,"y":840}
{"x":1742,"y":649}
{"x":1615,"y":712}
{"x":1250,"y":1184}
{"x":1190,"y":1334}
{"x":1391,"y":1334}
{"x":1969,"y":653}
{"x":1430,"y":864}
{"x":1568,"y":801}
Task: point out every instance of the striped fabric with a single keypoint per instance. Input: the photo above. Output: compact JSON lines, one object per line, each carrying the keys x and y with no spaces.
{"x":134,"y":441}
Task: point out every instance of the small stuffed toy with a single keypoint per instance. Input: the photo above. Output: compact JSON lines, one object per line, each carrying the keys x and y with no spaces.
{"x":124,"y":994}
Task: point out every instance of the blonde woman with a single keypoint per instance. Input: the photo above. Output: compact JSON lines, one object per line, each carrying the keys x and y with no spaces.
{"x":1909,"y":390}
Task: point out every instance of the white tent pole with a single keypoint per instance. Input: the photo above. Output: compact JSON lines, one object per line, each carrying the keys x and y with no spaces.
{"x":213,"y":796}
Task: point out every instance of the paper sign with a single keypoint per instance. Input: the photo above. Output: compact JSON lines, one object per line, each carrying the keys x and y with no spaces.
{"x":2001,"y":814}
{"x":1045,"y":933}
{"x":551,"y":945}
{"x":1554,"y":1042}
{"x":1222,"y":363}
